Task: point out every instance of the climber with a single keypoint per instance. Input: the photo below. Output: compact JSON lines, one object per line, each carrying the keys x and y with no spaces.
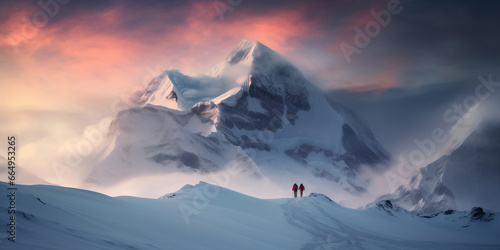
{"x":301,"y":188}
{"x":294,"y":188}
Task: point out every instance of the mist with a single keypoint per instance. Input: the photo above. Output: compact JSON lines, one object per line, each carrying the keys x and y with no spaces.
{"x":430,"y":119}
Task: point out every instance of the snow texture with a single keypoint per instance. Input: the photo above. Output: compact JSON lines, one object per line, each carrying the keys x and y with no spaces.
{"x":205,"y":216}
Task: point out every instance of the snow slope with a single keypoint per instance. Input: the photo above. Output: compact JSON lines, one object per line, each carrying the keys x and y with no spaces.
{"x":254,"y":109}
{"x":465,"y":177}
{"x":205,"y":216}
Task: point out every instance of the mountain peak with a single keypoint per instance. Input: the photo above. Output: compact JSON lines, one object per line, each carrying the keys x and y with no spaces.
{"x":240,"y":52}
{"x":243,"y":58}
{"x":247,"y":49}
{"x":246,"y":46}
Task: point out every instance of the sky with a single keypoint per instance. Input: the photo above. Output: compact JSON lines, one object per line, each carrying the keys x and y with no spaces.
{"x":68,"y":65}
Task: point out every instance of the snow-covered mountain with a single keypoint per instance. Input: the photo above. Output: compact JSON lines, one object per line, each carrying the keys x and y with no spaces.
{"x":205,"y":216}
{"x":467,"y":176}
{"x":255,"y":110}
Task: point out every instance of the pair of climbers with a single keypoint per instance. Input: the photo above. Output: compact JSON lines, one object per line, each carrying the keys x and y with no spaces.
{"x":301,"y":188}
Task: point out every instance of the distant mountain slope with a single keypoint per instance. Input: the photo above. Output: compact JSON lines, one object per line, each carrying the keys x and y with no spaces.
{"x":466,"y":177}
{"x":205,"y":216}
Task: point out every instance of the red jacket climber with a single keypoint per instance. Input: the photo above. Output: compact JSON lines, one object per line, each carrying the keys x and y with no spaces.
{"x":301,"y":188}
{"x":294,"y":188}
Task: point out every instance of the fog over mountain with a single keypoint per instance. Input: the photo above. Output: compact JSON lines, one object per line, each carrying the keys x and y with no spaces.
{"x":254,"y":110}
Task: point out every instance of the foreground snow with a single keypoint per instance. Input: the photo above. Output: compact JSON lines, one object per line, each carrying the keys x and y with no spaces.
{"x":211,"y":217}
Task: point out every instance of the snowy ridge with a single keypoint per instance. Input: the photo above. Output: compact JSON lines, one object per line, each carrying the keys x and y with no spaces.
{"x":205,"y":216}
{"x":177,"y":91}
{"x":239,"y":61}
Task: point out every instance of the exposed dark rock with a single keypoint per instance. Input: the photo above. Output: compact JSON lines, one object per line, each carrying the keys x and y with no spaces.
{"x":186,"y":158}
{"x":205,"y":112}
{"x":170,"y":196}
{"x":449,"y":211}
{"x":238,"y":56}
{"x":355,"y":147}
{"x":386,"y":206}
{"x":189,"y":159}
{"x":162,"y":158}
{"x":477,"y":214}
{"x":172,"y":96}
{"x":301,"y":152}
{"x":428,"y":216}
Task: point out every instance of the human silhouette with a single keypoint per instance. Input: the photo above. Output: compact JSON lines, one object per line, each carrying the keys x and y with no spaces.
{"x":301,"y":188}
{"x":294,"y":188}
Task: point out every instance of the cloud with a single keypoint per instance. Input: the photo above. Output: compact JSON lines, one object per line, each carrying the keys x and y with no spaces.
{"x":97,"y":39}
{"x":93,"y":53}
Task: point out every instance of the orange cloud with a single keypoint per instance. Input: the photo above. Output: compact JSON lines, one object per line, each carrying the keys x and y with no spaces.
{"x":86,"y":60}
{"x":93,"y":53}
